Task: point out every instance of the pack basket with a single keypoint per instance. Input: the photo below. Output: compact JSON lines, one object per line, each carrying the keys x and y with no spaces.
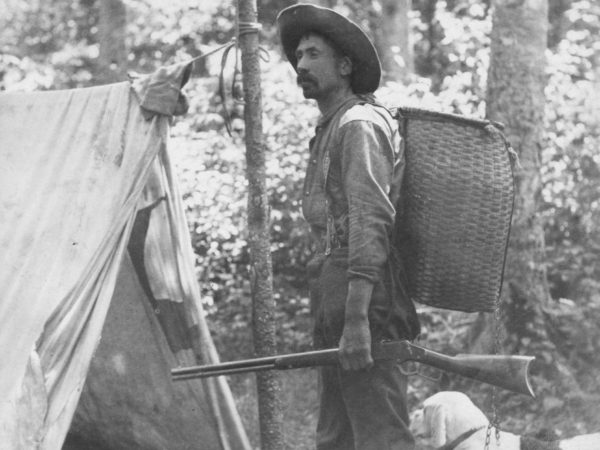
{"x":456,"y":208}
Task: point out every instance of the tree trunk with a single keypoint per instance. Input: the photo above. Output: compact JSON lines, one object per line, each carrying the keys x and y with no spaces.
{"x":112,"y":58}
{"x":558,"y":21}
{"x":392,"y":39}
{"x":261,"y":272}
{"x":426,"y":64}
{"x":515,"y":97}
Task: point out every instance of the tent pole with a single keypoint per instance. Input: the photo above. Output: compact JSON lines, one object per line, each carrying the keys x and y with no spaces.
{"x":261,"y":270}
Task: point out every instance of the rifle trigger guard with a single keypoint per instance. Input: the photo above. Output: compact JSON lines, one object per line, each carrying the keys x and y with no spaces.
{"x":417,"y":372}
{"x":436,"y":379}
{"x":408,"y":372}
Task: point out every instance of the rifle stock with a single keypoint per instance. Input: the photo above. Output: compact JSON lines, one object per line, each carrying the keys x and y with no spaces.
{"x":504,"y":371}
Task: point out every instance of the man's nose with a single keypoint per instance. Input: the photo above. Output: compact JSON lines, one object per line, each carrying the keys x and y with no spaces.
{"x":301,"y":65}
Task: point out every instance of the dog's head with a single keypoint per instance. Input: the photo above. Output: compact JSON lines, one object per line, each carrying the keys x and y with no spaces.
{"x":444,"y":417}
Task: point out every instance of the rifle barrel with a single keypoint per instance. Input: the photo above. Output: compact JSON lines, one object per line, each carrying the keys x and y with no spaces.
{"x":247,"y":365}
{"x":214,"y":373}
{"x":282,"y":362}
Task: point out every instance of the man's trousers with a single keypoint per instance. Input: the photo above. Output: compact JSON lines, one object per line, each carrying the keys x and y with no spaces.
{"x":365,"y":409}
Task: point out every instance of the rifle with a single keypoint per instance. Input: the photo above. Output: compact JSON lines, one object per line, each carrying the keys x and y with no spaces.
{"x":504,"y":371}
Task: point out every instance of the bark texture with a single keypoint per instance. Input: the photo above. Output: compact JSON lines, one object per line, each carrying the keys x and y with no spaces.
{"x":392,"y":39}
{"x":112,"y":57}
{"x":261,"y":270}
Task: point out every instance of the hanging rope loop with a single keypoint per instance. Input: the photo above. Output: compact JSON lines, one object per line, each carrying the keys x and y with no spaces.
{"x":222,"y":93}
{"x":241,"y":29}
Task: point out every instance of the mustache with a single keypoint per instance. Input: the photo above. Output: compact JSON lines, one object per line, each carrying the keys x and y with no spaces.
{"x":304,"y":77}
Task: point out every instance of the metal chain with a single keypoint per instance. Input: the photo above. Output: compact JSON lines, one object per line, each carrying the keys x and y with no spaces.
{"x":497,"y":347}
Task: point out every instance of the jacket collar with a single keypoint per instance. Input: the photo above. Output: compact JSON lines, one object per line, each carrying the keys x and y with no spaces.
{"x":344,"y":104}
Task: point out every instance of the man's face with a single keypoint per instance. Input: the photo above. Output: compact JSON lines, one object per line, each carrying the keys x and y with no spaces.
{"x":320,"y":69}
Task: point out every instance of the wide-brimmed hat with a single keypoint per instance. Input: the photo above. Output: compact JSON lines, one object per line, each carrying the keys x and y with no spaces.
{"x":298,"y":20}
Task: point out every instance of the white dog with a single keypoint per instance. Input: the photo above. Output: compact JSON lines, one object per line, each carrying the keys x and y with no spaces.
{"x":451,"y":421}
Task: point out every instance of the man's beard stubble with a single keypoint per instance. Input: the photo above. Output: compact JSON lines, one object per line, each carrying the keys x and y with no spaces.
{"x":308,"y":84}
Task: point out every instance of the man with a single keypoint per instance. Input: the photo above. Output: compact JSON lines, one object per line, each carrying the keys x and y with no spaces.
{"x":356,"y":293}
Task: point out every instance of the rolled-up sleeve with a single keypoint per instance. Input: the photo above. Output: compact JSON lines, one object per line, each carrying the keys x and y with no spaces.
{"x":367,"y":168}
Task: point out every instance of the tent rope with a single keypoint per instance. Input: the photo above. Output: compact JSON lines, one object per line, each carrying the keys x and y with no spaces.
{"x":214,"y":50}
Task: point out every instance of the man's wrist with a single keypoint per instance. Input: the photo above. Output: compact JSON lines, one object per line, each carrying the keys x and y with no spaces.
{"x":356,"y":318}
{"x":358,"y":300}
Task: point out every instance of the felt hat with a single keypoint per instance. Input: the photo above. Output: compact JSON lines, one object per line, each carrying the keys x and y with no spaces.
{"x":298,"y":20}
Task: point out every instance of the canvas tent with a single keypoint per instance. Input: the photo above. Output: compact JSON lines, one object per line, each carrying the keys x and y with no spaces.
{"x":96,"y":260}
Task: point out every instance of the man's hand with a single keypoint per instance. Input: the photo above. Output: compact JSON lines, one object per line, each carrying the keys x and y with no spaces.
{"x":355,"y":344}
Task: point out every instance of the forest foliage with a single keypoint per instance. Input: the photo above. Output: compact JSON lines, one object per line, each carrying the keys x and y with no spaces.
{"x":54,"y":45}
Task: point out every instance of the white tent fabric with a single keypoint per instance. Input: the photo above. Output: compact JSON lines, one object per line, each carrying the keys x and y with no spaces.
{"x":73,"y":167}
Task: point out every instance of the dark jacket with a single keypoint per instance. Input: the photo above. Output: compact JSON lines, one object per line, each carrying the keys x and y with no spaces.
{"x":354,"y":150}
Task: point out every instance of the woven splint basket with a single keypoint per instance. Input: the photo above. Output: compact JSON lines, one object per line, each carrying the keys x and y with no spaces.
{"x":457,"y":204}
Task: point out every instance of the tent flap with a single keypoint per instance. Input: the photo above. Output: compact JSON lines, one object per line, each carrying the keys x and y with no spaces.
{"x":160,"y":92}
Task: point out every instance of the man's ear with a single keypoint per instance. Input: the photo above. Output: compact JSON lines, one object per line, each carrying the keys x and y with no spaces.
{"x":345,"y":66}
